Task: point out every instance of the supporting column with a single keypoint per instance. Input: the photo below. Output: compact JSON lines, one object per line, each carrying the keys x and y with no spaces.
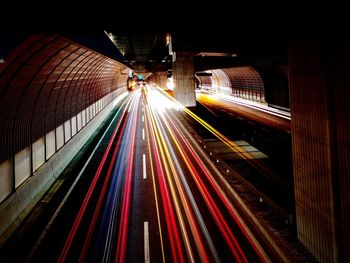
{"x":319,"y":89}
{"x":183,"y":74}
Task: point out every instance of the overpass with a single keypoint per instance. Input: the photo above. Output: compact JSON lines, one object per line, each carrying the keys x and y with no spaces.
{"x":56,"y":91}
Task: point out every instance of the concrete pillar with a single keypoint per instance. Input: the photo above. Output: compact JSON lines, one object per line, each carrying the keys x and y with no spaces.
{"x":319,"y":89}
{"x":183,"y":74}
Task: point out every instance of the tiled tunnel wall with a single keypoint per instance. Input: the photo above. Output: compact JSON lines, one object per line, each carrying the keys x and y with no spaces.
{"x":50,"y":87}
{"x":242,"y":82}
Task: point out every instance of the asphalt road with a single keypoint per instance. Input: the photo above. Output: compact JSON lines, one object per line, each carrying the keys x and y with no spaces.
{"x":143,"y":191}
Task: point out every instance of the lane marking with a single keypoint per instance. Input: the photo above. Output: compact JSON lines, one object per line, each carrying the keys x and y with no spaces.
{"x":142,"y":109}
{"x":144,"y":165}
{"x":143,"y":118}
{"x":146,"y":241}
{"x":143,"y":133}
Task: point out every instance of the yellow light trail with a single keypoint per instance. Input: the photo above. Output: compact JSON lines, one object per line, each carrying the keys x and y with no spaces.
{"x":154,"y":186}
{"x":188,"y":211}
{"x":218,"y":188}
{"x":167,"y":163}
{"x":233,"y":146}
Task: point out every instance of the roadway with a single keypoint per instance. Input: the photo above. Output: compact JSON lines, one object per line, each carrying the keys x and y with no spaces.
{"x":255,"y":141}
{"x":144,"y":191}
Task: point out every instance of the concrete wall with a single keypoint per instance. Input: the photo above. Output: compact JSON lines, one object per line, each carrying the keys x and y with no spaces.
{"x":319,"y":85}
{"x":184,"y":79}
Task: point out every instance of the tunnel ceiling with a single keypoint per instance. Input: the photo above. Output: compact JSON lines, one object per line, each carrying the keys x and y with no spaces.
{"x":148,"y":51}
{"x":259,"y":35}
{"x":143,"y":51}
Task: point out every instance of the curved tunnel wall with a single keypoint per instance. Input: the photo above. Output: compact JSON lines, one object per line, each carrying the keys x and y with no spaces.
{"x":242,"y":82}
{"x":221,"y":81}
{"x":50,"y":87}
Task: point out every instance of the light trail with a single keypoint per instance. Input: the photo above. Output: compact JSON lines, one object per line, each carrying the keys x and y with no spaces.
{"x":193,"y":162}
{"x":180,"y":182}
{"x":58,"y":210}
{"x":225,"y":230}
{"x":262,"y":255}
{"x":82,"y":209}
{"x":99,"y":202}
{"x":169,"y":213}
{"x":220,"y":194}
{"x":187,"y":201}
{"x":251,"y":104}
{"x":233,"y":146}
{"x":167,"y":160}
{"x":123,"y":229}
{"x":155,"y":196}
{"x":108,"y":225}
